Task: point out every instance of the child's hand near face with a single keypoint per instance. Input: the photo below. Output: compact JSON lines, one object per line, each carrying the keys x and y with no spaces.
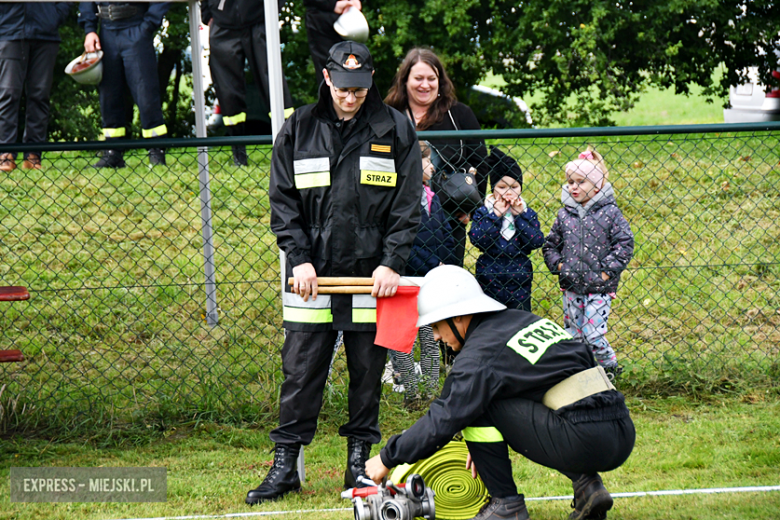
{"x":517,"y":205}
{"x":500,"y":206}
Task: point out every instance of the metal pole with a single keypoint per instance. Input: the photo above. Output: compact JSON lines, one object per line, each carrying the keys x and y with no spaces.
{"x":274,"y":51}
{"x":212,"y":317}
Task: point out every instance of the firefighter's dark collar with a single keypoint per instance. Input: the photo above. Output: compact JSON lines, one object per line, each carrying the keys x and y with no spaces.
{"x":476,"y":319}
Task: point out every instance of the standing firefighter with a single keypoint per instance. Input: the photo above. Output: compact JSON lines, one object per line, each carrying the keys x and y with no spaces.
{"x":345,"y":201}
{"x":519,"y":381}
{"x":29,"y":40}
{"x":237,"y":35}
{"x":129,"y":62}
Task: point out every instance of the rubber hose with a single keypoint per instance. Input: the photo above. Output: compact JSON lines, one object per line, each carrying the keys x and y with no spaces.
{"x":458,"y":496}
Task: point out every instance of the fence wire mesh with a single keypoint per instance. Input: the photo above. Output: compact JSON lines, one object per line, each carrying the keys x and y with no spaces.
{"x":113,"y":260}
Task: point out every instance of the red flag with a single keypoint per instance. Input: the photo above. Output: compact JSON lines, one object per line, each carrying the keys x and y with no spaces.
{"x":396,"y":319}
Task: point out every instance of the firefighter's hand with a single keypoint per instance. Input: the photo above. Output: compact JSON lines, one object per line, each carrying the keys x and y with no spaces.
{"x":305,"y":282}
{"x":375,"y":469}
{"x":470,"y":465}
{"x":92,"y":42}
{"x":385,"y":282}
{"x":342,"y":5}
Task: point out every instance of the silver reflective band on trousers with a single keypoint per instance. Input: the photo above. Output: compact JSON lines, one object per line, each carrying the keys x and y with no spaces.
{"x":576,"y":387}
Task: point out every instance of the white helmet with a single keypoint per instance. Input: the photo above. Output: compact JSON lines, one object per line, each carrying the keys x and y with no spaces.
{"x":352,"y":25}
{"x":450,"y":291}
{"x":87,"y":68}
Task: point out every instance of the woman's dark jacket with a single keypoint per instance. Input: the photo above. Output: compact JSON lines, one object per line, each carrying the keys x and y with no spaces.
{"x":462,"y":153}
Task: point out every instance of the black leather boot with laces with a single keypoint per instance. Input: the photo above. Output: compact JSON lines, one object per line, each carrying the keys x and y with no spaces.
{"x":281,"y":479}
{"x":357,"y":454}
{"x":591,"y":499}
{"x":510,"y":508}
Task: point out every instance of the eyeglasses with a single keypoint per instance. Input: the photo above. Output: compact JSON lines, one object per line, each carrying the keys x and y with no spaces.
{"x":344,"y":92}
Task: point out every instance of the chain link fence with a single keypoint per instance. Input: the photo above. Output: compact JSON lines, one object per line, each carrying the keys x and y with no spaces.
{"x":117,"y":322}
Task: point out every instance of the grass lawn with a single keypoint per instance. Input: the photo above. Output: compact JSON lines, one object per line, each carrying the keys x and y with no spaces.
{"x":655,"y":107}
{"x":121,"y":369}
{"x":681,"y":444}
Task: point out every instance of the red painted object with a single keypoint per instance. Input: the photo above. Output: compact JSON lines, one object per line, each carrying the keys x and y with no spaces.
{"x":11,"y":356}
{"x":13,"y":294}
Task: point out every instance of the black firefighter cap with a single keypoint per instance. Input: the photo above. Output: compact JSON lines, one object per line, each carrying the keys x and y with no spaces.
{"x":350,"y":65}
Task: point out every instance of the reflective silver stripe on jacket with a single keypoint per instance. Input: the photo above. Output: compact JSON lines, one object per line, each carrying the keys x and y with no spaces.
{"x":312,"y":173}
{"x":377,"y":164}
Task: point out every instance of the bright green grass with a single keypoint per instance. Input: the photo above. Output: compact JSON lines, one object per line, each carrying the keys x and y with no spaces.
{"x":655,"y":107}
{"x":680,"y":445}
{"x":114,"y":331}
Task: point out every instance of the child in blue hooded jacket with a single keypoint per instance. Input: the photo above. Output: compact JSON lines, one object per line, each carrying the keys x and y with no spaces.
{"x":506,"y":231}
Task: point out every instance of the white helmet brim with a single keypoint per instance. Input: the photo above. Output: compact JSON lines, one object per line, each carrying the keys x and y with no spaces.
{"x":448,"y":291}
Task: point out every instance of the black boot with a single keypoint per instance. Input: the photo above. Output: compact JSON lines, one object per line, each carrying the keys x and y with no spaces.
{"x":591,"y":499}
{"x":281,"y":479}
{"x":110,"y":159}
{"x":156,"y":156}
{"x":510,"y":508}
{"x":357,"y":454}
{"x":239,"y":155}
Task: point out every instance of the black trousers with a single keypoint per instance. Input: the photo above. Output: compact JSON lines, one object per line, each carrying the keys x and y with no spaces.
{"x":459,"y":235}
{"x":129,"y":62}
{"x":539,"y":434}
{"x":29,"y":62}
{"x":305,"y":360}
{"x":321,"y":36}
{"x":230,"y":49}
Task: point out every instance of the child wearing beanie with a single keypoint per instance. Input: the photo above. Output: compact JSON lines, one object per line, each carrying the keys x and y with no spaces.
{"x":589,"y":246}
{"x":506,"y":230}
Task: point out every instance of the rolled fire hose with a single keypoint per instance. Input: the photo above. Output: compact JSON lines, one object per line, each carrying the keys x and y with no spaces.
{"x":458,"y":496}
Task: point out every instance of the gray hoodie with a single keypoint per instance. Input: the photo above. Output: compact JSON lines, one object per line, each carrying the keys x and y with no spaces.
{"x":589,"y":240}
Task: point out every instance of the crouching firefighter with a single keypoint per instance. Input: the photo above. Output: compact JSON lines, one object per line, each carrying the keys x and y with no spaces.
{"x":520,"y":381}
{"x":333,"y":217}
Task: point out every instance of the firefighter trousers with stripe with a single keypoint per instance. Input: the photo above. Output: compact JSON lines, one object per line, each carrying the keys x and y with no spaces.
{"x":129,"y":62}
{"x":306,"y":357}
{"x":572,"y":447}
{"x":230,"y":49}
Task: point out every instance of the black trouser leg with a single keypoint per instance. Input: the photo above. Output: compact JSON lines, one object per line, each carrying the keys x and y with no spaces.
{"x":13,"y":60}
{"x":494,"y":467}
{"x":366,"y":362}
{"x":305,"y":360}
{"x":539,"y":434}
{"x":226,"y":63}
{"x":40,"y":72}
{"x":257,"y":55}
{"x":140,"y":69}
{"x":321,"y":36}
{"x":459,"y":235}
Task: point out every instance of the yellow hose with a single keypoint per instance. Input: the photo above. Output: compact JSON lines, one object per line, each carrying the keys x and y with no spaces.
{"x":458,"y":496}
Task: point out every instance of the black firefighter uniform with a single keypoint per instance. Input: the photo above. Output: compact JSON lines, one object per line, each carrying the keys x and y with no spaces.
{"x":345,"y":197}
{"x":129,"y":62}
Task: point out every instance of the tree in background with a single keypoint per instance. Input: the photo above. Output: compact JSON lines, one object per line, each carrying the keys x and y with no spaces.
{"x":591,"y":58}
{"x":580,"y":60}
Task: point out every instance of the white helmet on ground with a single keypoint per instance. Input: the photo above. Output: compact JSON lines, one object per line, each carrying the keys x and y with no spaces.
{"x":450,"y":291}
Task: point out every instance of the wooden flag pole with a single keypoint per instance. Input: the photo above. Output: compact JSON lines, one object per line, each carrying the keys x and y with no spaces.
{"x":339,"y":280}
